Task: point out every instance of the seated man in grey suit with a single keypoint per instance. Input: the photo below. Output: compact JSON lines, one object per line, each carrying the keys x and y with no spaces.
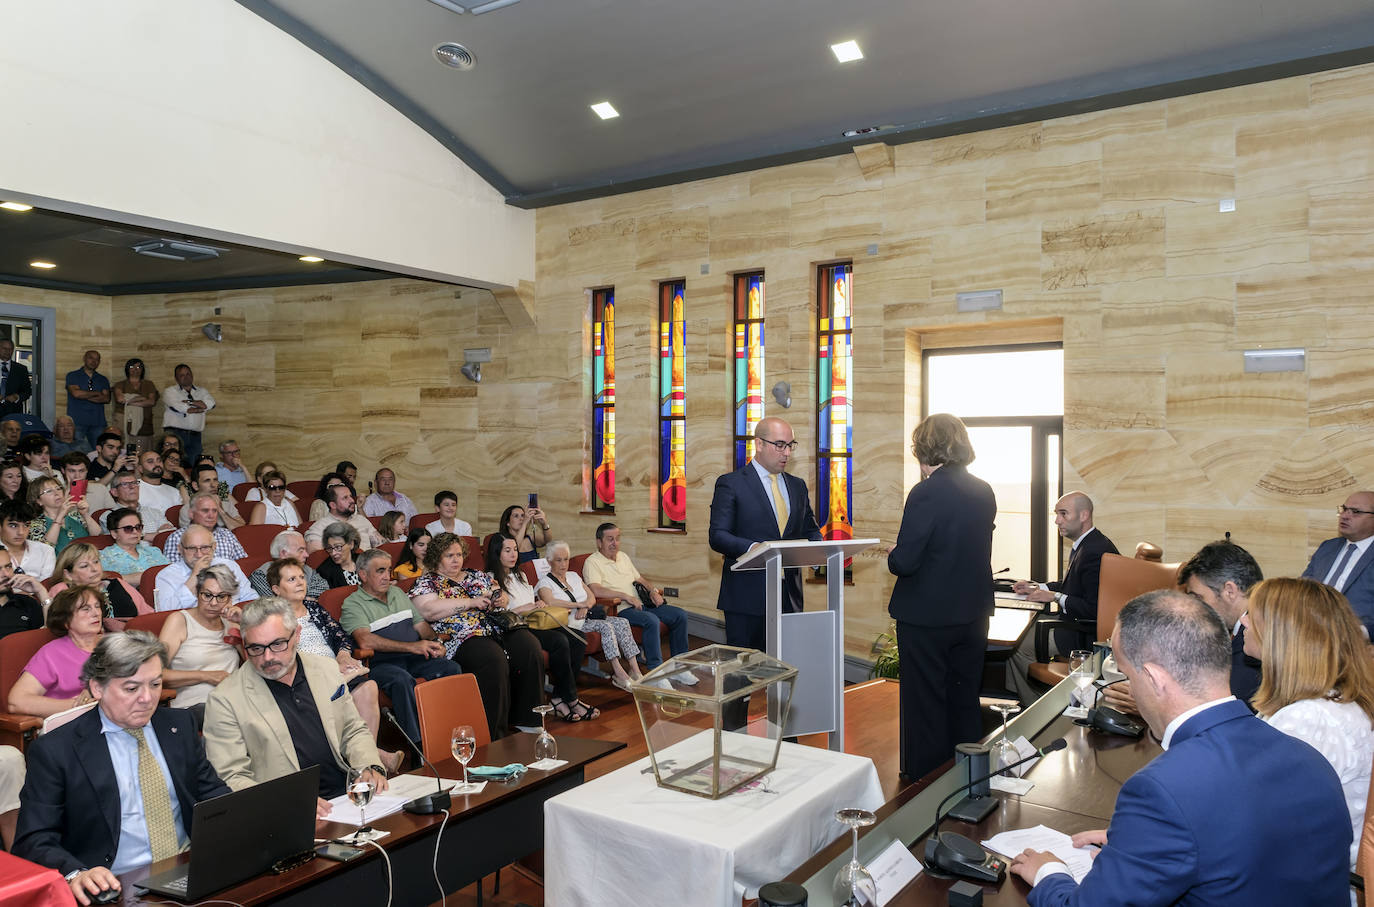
{"x":1343,"y":562}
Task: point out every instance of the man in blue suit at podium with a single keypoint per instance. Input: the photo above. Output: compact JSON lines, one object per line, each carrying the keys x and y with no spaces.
{"x":759,"y":502}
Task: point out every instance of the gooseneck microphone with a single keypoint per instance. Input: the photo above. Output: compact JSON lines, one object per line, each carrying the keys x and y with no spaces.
{"x":958,"y":855}
{"x":429,"y":804}
{"x":1108,"y":720}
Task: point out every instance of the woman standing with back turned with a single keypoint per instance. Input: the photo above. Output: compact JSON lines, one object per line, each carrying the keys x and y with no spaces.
{"x":943,"y":596}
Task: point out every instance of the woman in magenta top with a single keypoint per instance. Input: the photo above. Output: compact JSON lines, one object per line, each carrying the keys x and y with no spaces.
{"x":51,"y":681}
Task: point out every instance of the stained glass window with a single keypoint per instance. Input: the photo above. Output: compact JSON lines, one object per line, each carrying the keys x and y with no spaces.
{"x":672,"y":407}
{"x":748,"y":362}
{"x":835,"y":431}
{"x":602,"y":495}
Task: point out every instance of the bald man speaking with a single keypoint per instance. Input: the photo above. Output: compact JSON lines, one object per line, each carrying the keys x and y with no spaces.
{"x":1076,"y":593}
{"x":759,"y":502}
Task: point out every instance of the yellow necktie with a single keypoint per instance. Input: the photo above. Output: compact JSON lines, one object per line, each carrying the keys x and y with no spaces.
{"x":157,"y":802}
{"x":780,"y":500}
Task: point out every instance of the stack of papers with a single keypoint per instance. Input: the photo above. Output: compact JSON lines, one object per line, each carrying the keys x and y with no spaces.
{"x":1010,"y":843}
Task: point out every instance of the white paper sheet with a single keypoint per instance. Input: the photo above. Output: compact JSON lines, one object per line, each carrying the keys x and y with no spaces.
{"x":1041,"y":837}
{"x":344,"y":811}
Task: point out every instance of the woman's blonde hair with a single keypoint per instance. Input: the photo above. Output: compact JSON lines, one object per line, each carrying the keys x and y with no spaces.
{"x":942,"y":440}
{"x":1311,"y":646}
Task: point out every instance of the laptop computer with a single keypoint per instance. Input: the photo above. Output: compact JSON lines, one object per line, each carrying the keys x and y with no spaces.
{"x":241,"y":834}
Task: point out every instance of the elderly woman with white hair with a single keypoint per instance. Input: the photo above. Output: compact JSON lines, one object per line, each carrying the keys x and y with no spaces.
{"x":288,"y":543}
{"x":561,"y":588}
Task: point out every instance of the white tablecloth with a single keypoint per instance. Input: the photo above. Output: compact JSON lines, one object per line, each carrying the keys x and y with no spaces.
{"x":621,"y":838}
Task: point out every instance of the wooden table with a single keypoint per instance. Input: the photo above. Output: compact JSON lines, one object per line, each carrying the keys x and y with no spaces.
{"x":1075,"y":790}
{"x":494,"y":828}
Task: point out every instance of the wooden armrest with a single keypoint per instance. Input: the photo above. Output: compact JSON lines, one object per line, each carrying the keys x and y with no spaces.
{"x":14,"y":723}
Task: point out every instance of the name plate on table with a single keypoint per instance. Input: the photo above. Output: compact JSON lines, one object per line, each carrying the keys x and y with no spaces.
{"x":893,"y":870}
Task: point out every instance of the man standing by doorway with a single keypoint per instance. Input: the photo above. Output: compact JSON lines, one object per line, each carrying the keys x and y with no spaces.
{"x":87,"y":393}
{"x":15,"y":384}
{"x":186,"y":406}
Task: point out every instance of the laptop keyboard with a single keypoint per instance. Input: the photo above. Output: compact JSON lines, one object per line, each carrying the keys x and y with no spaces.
{"x":177,"y":884}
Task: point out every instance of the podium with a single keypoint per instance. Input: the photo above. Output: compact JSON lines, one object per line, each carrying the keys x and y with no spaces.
{"x":810,"y":641}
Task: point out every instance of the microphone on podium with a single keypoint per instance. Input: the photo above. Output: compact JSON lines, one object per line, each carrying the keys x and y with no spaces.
{"x":429,"y":804}
{"x":955,"y":854}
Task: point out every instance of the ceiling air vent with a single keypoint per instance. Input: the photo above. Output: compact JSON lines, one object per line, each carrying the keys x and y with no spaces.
{"x":455,"y":55}
{"x":176,"y":250}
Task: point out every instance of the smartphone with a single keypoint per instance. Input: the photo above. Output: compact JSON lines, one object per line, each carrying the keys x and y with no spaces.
{"x":339,"y":852}
{"x":534,"y":499}
{"x":78,"y":489}
{"x":129,"y":449}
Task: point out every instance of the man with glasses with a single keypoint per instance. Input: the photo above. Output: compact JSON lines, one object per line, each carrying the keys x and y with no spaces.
{"x":1343,"y":562}
{"x":386,"y":498}
{"x":130,"y":555}
{"x":282,"y":711}
{"x":288,"y":543}
{"x":125,"y":491}
{"x":176,"y":584}
{"x":342,"y":510}
{"x":205,"y":511}
{"x":759,"y":502}
{"x":230,"y":465}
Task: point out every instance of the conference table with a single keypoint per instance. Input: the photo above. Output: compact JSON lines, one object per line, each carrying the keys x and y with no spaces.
{"x":488,"y":830}
{"x":1075,"y":790}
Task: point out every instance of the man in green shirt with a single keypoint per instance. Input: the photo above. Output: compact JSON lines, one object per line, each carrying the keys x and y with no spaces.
{"x":379,"y":617}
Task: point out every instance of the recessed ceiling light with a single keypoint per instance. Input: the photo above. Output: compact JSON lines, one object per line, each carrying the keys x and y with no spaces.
{"x":847,"y":51}
{"x":605,"y":110}
{"x":16,"y":206}
{"x":45,"y":265}
{"x":313,"y":259}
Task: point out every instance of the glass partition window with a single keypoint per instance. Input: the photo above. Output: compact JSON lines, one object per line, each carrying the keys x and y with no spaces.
{"x":749,"y":292}
{"x":602,"y":496}
{"x":835,"y":429}
{"x":672,"y":406}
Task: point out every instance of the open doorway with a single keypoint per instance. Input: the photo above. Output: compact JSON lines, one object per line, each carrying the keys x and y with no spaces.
{"x":1012,"y":400}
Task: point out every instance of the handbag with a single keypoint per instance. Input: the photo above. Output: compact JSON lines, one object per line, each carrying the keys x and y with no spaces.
{"x":595,"y":612}
{"x":502,"y":621}
{"x":646,"y":597}
{"x":554,"y":618}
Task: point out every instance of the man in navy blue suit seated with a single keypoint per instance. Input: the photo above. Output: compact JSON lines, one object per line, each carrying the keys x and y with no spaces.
{"x":85,"y":809}
{"x":1233,"y":812}
{"x":1343,"y":562}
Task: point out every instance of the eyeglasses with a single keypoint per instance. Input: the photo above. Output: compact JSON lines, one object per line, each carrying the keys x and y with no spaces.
{"x":253,"y":649}
{"x":132,"y":527}
{"x":197,"y":548}
{"x":1344,"y":510}
{"x":788,"y":446}
{"x":126,"y":485}
{"x":219,"y":598}
{"x":276,"y":487}
{"x":234,"y":451}
{"x":335,"y":549}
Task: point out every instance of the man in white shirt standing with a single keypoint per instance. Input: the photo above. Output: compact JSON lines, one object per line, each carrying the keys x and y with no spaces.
{"x":186,"y":406}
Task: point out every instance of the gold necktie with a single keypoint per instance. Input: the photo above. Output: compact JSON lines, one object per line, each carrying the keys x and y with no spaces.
{"x":780,"y":500}
{"x":157,"y":802}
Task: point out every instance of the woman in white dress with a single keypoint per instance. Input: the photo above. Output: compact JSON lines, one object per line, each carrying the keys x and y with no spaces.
{"x":276,"y":509}
{"x":199,"y":641}
{"x":1318,"y":680}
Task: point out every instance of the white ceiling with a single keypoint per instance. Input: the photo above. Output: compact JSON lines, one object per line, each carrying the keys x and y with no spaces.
{"x":706,"y":86}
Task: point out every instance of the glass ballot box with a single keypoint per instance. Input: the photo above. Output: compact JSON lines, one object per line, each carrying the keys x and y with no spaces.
{"x":706,"y":720}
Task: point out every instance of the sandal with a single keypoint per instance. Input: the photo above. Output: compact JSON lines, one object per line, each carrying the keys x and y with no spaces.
{"x":621,"y":683}
{"x":585,"y":712}
{"x":565,"y":711}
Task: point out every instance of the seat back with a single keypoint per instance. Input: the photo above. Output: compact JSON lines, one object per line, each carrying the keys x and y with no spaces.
{"x":531,"y":574}
{"x":576,"y":563}
{"x":150,"y":622}
{"x":443,"y":705}
{"x":393,"y":550}
{"x":148,"y":583}
{"x":407,"y":584}
{"x":421,"y":520}
{"x":173,"y":514}
{"x":250,"y":563}
{"x":240,"y":491}
{"x":257,"y":540}
{"x":332,"y":600}
{"x":304,"y":490}
{"x":315,"y":558}
{"x":477,"y":554}
{"x":15,"y":651}
{"x":100,"y":541}
{"x":160,"y":540}
{"x":1122,"y":579}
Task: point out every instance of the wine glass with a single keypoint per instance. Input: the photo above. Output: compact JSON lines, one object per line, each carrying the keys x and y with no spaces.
{"x":360,"y":789}
{"x":464,"y":745}
{"x":1081,"y":671}
{"x":1004,"y":752}
{"x":545,"y":747}
{"x":854,"y":884}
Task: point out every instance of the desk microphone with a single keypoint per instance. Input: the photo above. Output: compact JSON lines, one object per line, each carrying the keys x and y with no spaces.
{"x":955,"y":854}
{"x":429,"y":804}
{"x":1108,"y":720}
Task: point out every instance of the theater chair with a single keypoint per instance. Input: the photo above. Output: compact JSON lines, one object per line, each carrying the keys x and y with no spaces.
{"x":15,"y":651}
{"x":257,"y":539}
{"x":1122,"y":579}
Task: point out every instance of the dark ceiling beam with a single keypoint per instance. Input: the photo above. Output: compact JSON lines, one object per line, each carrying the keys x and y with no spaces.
{"x":208,"y":285}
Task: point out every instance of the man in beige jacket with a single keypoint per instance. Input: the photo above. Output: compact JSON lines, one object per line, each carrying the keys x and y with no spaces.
{"x":282,"y":711}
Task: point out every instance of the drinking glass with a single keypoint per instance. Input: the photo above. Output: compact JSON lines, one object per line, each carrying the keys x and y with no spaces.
{"x":545,"y":747}
{"x":464,"y":745}
{"x":854,"y":884}
{"x":1081,"y":671}
{"x":1004,"y":752}
{"x":360,"y":789}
